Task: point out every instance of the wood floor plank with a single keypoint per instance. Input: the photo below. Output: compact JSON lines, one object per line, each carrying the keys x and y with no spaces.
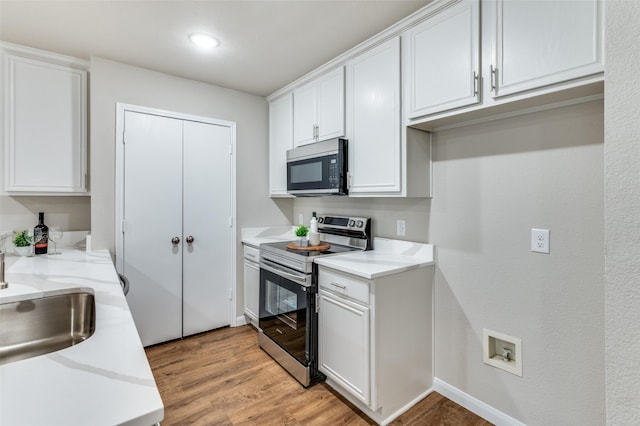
{"x":223,"y":378}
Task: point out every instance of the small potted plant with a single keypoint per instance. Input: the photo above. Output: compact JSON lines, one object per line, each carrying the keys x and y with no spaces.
{"x":22,"y":243}
{"x":301,"y":233}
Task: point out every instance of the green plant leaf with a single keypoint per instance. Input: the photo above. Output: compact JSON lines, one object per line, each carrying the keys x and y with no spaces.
{"x":22,"y":239}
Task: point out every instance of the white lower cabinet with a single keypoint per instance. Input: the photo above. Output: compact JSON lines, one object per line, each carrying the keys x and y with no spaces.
{"x":375,"y":339}
{"x":251,"y":284}
{"x":344,"y":348}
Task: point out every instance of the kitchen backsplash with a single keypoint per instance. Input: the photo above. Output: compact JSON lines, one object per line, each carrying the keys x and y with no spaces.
{"x":384,"y":213}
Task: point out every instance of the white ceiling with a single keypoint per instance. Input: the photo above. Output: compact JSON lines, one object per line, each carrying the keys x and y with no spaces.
{"x":266,"y":44}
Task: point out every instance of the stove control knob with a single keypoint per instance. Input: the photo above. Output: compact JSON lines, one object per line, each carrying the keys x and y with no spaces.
{"x":360,"y":224}
{"x":320,"y":219}
{"x":352,"y":223}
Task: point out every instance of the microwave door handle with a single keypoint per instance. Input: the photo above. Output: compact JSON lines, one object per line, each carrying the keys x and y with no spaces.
{"x":287,"y":275}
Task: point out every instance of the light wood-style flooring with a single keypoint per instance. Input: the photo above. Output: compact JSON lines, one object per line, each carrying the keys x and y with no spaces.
{"x":222,"y":377}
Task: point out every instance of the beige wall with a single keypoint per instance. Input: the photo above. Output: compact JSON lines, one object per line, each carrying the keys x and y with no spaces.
{"x":622,"y":213}
{"x":113,"y":82}
{"x":493,"y":182}
{"x":73,"y":213}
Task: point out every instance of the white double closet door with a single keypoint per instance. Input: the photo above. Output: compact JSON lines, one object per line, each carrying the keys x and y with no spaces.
{"x":177,"y":186}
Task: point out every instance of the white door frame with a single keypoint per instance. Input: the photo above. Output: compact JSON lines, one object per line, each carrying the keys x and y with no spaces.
{"x":121,"y":108}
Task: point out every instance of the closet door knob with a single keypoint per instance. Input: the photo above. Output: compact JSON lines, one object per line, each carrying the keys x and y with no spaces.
{"x":175,"y":241}
{"x":189,"y":239}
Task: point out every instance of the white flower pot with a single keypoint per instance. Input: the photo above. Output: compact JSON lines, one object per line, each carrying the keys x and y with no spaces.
{"x":23,"y":251}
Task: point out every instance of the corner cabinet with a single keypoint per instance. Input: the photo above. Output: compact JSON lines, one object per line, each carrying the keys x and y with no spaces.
{"x":280,"y":140}
{"x":45,"y":120}
{"x":318,"y":109}
{"x":366,"y":328}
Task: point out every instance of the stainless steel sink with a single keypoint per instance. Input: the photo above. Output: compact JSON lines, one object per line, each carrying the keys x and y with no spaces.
{"x":40,"y":325}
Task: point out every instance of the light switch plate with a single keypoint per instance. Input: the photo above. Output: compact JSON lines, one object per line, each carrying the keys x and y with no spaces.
{"x":540,"y":240}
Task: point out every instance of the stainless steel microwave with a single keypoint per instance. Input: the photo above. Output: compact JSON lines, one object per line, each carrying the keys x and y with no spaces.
{"x":318,"y":169}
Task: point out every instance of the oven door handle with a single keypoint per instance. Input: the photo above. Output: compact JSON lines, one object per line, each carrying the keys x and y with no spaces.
{"x":273,"y":267}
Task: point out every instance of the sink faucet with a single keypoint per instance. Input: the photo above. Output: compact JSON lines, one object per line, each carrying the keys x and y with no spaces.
{"x":2,"y":283}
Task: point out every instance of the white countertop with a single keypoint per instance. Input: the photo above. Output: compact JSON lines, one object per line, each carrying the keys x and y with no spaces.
{"x":105,"y":380}
{"x":256,"y":236}
{"x":387,"y":257}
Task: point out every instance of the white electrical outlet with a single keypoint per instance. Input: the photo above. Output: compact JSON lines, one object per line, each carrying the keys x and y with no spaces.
{"x":401,"y":227}
{"x":540,"y":240}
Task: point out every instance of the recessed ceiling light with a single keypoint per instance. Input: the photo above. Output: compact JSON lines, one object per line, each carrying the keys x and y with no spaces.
{"x":204,"y":41}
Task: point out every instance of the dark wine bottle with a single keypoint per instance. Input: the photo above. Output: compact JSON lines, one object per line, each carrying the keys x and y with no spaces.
{"x":41,"y":236}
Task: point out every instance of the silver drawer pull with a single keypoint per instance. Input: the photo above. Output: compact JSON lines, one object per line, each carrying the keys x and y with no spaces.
{"x":252,"y":256}
{"x":343,"y":287}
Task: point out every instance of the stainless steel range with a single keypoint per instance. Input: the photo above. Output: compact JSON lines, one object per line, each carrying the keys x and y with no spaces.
{"x":288,"y":320}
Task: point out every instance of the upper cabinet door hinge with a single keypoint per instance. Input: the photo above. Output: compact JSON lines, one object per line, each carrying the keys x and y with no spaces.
{"x":230,"y":149}
{"x":123,"y":136}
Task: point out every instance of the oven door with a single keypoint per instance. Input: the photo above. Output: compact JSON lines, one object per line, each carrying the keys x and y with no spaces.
{"x":284,"y":307}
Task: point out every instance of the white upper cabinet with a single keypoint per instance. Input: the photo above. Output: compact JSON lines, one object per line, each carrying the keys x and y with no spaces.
{"x":45,"y":123}
{"x":280,"y":140}
{"x":470,"y":59}
{"x":373,"y":119}
{"x":318,"y":109}
{"x":442,"y":59}
{"x":540,"y":43}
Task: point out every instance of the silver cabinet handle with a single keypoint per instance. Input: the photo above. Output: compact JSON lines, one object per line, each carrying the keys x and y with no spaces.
{"x":343,"y":287}
{"x":189,"y":239}
{"x":494,"y":81}
{"x":175,"y":241}
{"x":475,"y":83}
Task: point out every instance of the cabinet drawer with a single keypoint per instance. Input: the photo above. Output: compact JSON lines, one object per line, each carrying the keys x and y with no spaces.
{"x":344,"y":285}
{"x":251,"y":253}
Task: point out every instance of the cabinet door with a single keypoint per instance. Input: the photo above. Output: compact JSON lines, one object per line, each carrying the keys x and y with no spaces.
{"x":46,"y":127}
{"x":330,"y":105}
{"x":152,"y":263}
{"x":539,"y":43}
{"x":206,"y":198}
{"x":343,"y":343}
{"x":304,"y":115}
{"x":251,"y":290}
{"x":280,"y":140}
{"x":443,"y":60}
{"x":373,"y":99}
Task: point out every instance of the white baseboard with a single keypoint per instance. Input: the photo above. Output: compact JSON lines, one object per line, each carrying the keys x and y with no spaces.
{"x":474,"y":405}
{"x":240,"y":321}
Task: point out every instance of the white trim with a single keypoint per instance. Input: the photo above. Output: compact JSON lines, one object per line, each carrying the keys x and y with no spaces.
{"x":43,"y":55}
{"x":510,"y":114}
{"x":406,"y":407}
{"x":121,"y":108}
{"x":474,"y":405}
{"x":240,"y":321}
